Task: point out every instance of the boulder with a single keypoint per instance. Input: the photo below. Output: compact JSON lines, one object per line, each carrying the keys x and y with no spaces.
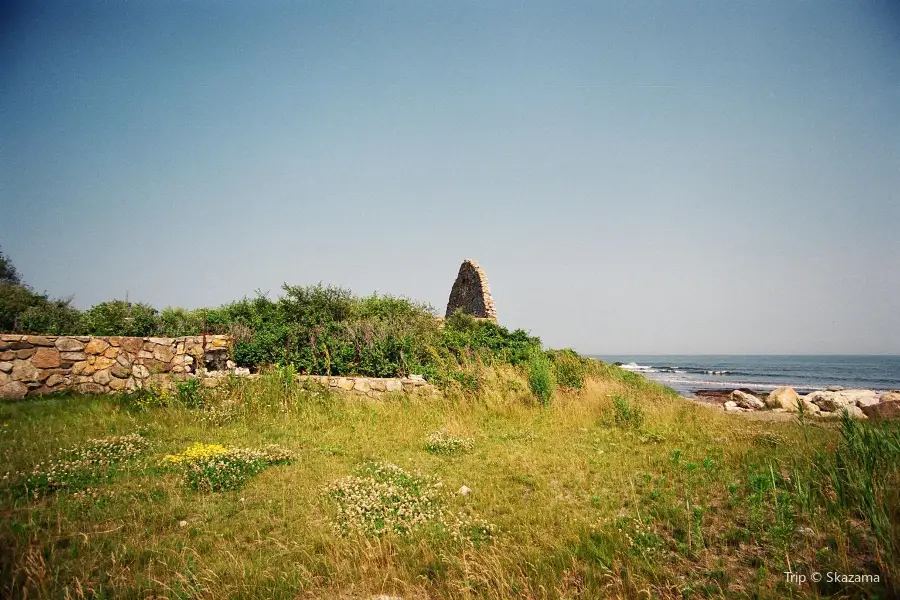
{"x":886,"y":409}
{"x":783,"y":397}
{"x":5,"y":367}
{"x":892,"y":396}
{"x":731,"y":406}
{"x":748,"y":401}
{"x":837,"y":401}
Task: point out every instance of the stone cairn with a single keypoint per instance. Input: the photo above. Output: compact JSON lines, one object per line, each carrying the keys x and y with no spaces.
{"x":471,"y":293}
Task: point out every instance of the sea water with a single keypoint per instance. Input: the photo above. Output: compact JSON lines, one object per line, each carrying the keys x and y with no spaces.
{"x":688,"y":373}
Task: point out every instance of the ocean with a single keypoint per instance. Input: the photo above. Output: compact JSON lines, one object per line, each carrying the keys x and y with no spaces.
{"x":688,"y":373}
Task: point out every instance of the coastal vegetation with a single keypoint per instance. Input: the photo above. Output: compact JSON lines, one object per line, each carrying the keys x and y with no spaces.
{"x":534,"y":473}
{"x":273,"y":488}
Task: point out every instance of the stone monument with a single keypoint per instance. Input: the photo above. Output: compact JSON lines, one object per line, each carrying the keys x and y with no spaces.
{"x":471,"y":293}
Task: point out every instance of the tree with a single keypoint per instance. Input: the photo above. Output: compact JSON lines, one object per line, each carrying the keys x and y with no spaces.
{"x":8,"y":272}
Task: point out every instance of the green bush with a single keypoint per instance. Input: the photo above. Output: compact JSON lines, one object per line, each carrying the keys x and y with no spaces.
{"x":627,"y":415}
{"x":540,"y":377}
{"x":119,"y":317}
{"x":570,"y":368}
{"x":53,"y":317}
{"x":189,"y":393}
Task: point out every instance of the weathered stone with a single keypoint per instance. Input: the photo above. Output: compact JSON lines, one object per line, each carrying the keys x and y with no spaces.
{"x":5,"y":367}
{"x":66,"y":344}
{"x":783,"y":397}
{"x":837,"y":401}
{"x":117,"y":384}
{"x":140,"y":371}
{"x":25,"y":354}
{"x":748,"y":401}
{"x":111,"y":352}
{"x":114,"y":340}
{"x":117,"y":370}
{"x":96,"y":346}
{"x":886,"y":409}
{"x":74,"y":356}
{"x":393,"y":385}
{"x":471,"y":293}
{"x":893,"y":396}
{"x":164,"y":354}
{"x":361,"y":385}
{"x":54,"y":380}
{"x":378,"y":385}
{"x":90,"y":388}
{"x":124,"y":359}
{"x":40,"y":340}
{"x":14,"y":390}
{"x":345,"y":384}
{"x":132,"y":345}
{"x":102,"y":377}
{"x":8,"y":355}
{"x":731,"y":406}
{"x":856,"y":412}
{"x":46,"y":358}
{"x":83,"y":368}
{"x":101,"y":362}
{"x":23,"y":370}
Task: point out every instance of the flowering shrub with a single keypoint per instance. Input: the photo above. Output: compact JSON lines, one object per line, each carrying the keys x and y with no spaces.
{"x":384,"y":498}
{"x":88,"y":463}
{"x":441,"y":442}
{"x":215,"y":468}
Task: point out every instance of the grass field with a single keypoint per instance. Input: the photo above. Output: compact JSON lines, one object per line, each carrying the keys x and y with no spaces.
{"x":621,"y":489}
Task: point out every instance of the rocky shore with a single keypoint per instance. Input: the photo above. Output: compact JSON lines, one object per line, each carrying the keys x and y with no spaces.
{"x":860,"y":404}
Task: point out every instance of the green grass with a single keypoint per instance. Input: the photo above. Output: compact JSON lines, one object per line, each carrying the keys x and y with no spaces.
{"x":578,"y":499}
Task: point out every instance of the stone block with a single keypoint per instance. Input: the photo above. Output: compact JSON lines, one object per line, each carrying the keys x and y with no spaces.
{"x":132,"y":345}
{"x":67,"y":344}
{"x":8,"y":355}
{"x":393,"y":385}
{"x":378,"y":385}
{"x":73,"y":356}
{"x":90,"y":388}
{"x":41,"y":340}
{"x":25,"y":354}
{"x":83,"y":368}
{"x":5,"y":367}
{"x":46,"y":358}
{"x":361,"y":385}
{"x":15,"y":390}
{"x":23,"y":370}
{"x":102,"y":377}
{"x":55,"y":380}
{"x":111,"y":352}
{"x":117,"y":385}
{"x":117,"y":370}
{"x":96,"y":346}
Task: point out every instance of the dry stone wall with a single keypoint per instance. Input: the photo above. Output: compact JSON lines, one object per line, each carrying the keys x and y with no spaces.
{"x":32,"y":364}
{"x":373,"y":387}
{"x":471,"y":293}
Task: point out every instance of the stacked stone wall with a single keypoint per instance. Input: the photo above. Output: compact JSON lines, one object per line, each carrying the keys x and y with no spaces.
{"x":37,"y":364}
{"x":373,"y":387}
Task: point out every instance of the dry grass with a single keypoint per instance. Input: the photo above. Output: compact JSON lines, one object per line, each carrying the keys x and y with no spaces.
{"x":584,"y":508}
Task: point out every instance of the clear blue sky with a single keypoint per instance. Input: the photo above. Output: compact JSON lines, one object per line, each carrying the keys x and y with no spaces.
{"x":635,"y":177}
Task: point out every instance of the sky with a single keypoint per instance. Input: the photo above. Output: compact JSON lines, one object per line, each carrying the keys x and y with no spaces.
{"x":634,"y":176}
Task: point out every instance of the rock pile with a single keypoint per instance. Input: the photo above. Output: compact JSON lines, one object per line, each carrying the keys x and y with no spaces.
{"x":860,"y":404}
